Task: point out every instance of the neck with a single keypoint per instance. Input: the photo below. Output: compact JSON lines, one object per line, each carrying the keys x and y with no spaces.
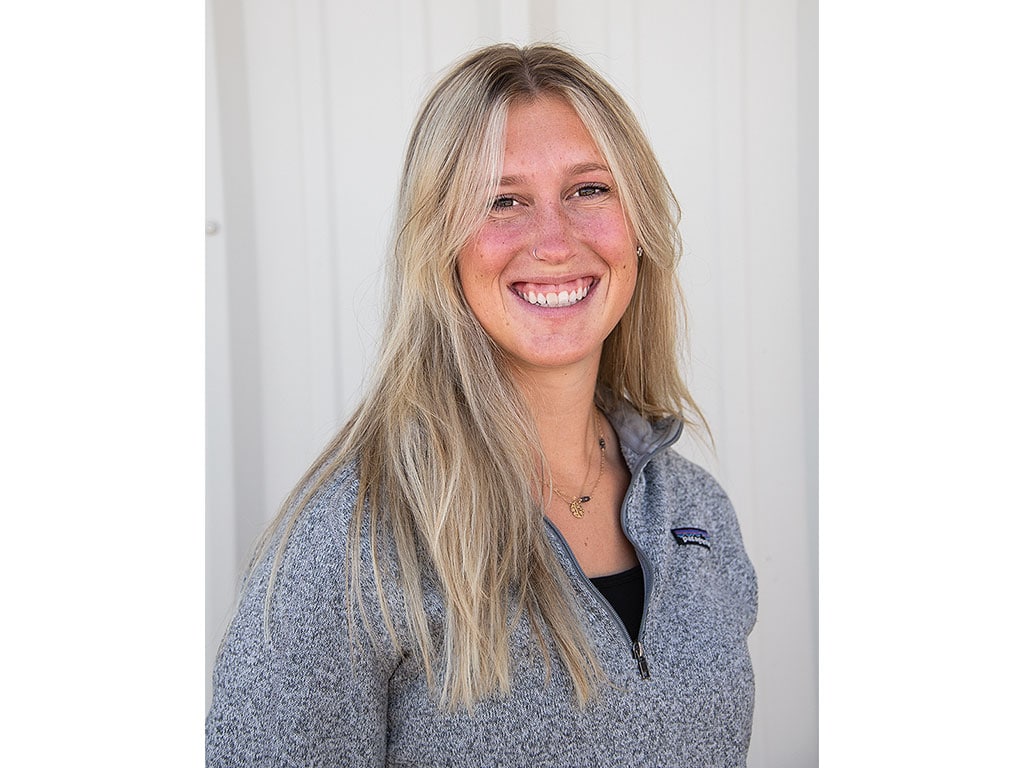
{"x":562,"y":405}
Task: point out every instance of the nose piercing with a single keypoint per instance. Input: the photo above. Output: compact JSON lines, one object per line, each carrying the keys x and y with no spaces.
{"x":535,"y":254}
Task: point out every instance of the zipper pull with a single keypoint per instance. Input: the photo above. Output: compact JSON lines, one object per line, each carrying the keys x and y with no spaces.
{"x":641,"y":660}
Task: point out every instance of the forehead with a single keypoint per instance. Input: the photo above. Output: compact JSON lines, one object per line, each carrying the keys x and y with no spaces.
{"x":547,"y":132}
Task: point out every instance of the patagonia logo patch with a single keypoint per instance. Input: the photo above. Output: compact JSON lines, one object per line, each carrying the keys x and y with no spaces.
{"x":696,"y":536}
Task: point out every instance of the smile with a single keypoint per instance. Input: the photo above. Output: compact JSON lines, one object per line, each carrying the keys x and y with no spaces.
{"x":561,"y":295}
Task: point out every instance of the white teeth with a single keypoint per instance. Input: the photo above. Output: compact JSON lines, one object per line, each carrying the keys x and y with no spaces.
{"x":562,"y":299}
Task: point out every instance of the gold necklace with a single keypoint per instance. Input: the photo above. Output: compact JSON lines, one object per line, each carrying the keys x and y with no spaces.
{"x":576,"y":503}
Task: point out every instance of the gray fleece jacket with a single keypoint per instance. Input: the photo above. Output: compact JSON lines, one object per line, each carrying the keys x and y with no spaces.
{"x":327,"y":692}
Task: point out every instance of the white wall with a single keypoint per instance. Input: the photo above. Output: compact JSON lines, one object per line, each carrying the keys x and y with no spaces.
{"x":309,"y":108}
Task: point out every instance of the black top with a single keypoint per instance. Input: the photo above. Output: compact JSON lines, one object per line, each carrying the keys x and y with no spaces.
{"x":625,"y":592}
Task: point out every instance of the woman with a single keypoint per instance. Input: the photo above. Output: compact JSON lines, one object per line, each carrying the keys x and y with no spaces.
{"x":499,"y":560}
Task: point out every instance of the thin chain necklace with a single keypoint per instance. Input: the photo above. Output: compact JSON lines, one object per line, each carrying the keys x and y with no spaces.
{"x":576,"y":503}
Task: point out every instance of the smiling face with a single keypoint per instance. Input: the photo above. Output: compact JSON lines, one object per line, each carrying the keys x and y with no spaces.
{"x":552,"y":269}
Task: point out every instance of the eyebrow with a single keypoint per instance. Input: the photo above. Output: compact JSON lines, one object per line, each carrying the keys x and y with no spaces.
{"x":575,"y":170}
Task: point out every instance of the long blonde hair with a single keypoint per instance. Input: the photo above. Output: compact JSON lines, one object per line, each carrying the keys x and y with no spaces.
{"x":444,"y":445}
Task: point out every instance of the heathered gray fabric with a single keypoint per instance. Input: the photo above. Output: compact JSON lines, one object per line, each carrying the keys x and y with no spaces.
{"x":325,"y":694}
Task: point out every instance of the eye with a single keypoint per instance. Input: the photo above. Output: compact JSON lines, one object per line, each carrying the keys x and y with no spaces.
{"x":591,"y":190}
{"x":503,"y":202}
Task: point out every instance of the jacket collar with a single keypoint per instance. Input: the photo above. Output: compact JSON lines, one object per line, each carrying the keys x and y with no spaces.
{"x":640,"y":439}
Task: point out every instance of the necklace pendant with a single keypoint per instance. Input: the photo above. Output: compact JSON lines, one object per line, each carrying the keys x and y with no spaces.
{"x":576,"y":507}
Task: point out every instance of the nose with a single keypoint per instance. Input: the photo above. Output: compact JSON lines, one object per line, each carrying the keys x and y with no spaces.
{"x":554,"y":237}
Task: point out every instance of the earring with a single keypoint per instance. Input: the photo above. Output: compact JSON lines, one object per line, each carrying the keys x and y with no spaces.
{"x":639,"y":254}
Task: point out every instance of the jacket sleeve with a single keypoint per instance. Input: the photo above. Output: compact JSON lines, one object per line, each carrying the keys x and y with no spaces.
{"x":310,"y":686}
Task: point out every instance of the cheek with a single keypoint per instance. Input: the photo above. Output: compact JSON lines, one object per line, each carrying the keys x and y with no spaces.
{"x":493,"y":247}
{"x":605,"y":228}
{"x":483,"y":263}
{"x":476,"y":273}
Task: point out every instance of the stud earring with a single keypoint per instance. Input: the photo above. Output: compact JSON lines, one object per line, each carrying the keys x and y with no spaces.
{"x":639,"y":254}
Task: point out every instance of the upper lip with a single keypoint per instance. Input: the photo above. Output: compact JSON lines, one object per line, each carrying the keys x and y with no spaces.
{"x":555,"y":280}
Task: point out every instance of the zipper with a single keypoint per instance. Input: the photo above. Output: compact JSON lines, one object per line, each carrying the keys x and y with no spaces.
{"x":612,"y":613}
{"x":641,"y":660}
{"x":636,"y":647}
